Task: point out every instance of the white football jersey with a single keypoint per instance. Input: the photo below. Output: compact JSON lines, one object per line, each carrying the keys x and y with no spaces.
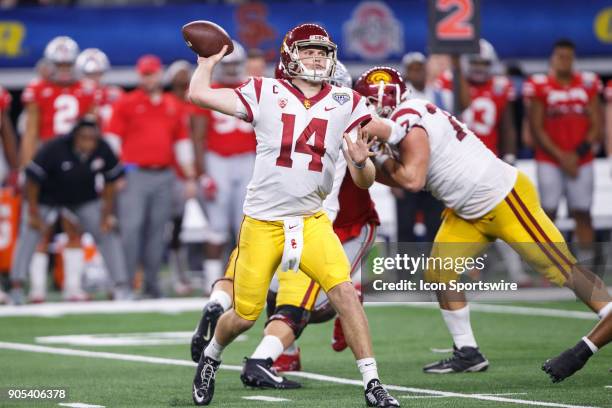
{"x":463,"y":173}
{"x":298,"y":144}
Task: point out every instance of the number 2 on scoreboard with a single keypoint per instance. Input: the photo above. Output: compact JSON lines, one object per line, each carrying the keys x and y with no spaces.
{"x":456,"y":25}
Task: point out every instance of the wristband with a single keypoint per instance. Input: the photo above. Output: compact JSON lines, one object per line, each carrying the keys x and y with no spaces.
{"x":359,"y":166}
{"x":583,"y":149}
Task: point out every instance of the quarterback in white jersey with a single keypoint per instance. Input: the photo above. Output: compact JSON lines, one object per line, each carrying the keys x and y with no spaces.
{"x":486,"y":199}
{"x":280,"y":187}
{"x":299,"y":125}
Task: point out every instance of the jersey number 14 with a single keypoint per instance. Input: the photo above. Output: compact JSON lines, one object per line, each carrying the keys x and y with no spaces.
{"x":316,"y":127}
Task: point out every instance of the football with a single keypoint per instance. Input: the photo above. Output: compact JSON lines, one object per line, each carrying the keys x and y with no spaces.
{"x":206,"y":38}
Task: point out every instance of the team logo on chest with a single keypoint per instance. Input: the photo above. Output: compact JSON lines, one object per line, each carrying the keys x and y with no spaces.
{"x":282,"y":102}
{"x":307,"y":103}
{"x":341,"y":98}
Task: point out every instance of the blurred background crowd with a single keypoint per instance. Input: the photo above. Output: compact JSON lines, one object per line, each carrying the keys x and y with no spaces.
{"x":153,"y":209}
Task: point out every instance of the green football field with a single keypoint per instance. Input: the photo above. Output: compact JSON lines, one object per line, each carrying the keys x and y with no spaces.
{"x":131,"y":374}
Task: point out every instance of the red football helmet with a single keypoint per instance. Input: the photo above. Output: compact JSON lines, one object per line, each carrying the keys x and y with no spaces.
{"x":308,"y":36}
{"x":383,"y":87}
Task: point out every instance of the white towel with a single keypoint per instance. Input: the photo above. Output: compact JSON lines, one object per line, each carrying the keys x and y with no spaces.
{"x":294,"y":243}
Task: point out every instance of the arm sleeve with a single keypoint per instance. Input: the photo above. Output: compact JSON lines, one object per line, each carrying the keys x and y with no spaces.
{"x":249,"y":95}
{"x":113,"y":169}
{"x":360,"y":114}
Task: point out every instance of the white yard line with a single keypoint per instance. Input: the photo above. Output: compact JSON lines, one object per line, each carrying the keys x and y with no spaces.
{"x":79,"y":405}
{"x":180,"y":305}
{"x":265,"y":398}
{"x":312,"y":376}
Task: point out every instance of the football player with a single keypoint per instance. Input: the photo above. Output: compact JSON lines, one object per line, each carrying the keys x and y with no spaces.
{"x":299,"y":125}
{"x":486,"y":199}
{"x":564,"y":114}
{"x":92,"y":64}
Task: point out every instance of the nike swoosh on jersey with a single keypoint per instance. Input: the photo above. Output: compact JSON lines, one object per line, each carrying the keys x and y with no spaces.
{"x":274,"y":378}
{"x":327,"y":108}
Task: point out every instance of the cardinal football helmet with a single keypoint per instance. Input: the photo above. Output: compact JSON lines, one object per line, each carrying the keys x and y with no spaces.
{"x":308,"y":36}
{"x":383,"y":88}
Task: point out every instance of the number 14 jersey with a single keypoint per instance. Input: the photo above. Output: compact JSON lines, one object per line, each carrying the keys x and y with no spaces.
{"x":298,"y":143}
{"x":463,"y":173}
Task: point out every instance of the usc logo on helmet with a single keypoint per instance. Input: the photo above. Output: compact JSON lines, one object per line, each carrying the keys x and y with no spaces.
{"x":378,"y":76}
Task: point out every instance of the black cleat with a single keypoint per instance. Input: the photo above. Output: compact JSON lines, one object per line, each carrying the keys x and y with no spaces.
{"x":377,"y":396}
{"x":464,"y":360}
{"x":204,"y":381}
{"x":258,"y":373}
{"x":568,"y":362}
{"x":205,"y":330}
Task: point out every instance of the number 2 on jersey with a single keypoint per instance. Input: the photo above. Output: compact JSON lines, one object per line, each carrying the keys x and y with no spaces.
{"x":316,"y":127}
{"x":66,"y":112}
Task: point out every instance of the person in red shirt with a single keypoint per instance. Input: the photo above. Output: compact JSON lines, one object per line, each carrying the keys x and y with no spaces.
{"x":93,"y":63}
{"x":564,"y":119}
{"x":149,"y":128}
{"x":228,"y":144}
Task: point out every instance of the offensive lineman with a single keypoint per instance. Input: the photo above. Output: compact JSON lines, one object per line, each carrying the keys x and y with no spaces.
{"x":486,"y":199}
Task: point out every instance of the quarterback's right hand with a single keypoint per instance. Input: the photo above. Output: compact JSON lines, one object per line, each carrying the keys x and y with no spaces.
{"x":211,"y":61}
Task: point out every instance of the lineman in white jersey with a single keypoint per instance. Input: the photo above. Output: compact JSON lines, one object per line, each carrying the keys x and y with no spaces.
{"x":299,"y":125}
{"x":486,"y":199}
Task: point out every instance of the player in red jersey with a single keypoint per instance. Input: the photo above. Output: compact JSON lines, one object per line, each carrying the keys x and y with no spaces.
{"x":54,"y":105}
{"x":93,"y":63}
{"x":565,"y":122}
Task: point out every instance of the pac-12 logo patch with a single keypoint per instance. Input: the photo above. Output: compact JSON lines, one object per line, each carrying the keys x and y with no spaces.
{"x":282,"y":102}
{"x":341,"y":98}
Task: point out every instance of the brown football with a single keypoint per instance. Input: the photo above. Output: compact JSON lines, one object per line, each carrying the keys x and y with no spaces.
{"x":206,"y":38}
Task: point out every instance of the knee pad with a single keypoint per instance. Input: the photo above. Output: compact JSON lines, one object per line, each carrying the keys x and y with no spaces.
{"x":294,"y":317}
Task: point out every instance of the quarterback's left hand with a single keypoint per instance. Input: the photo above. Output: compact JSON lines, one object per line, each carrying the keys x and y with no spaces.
{"x":359,"y":151}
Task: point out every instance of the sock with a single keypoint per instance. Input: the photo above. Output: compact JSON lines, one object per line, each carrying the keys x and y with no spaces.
{"x":38,"y":275}
{"x":369,"y":371}
{"x":221,"y":298}
{"x":214,"y":350}
{"x":73,"y":271}
{"x":605,"y":310}
{"x":458,"y":323}
{"x":269,"y":347}
{"x":589,"y":343}
{"x":213,"y":270}
{"x":292,"y":349}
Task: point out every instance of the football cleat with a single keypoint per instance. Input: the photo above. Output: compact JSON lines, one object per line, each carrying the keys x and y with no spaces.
{"x":204,"y":381}
{"x":206,"y":329}
{"x":288,"y":362}
{"x":377,"y":396}
{"x":258,"y":373}
{"x":464,"y":360}
{"x":338,"y":340}
{"x":568,"y":362}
